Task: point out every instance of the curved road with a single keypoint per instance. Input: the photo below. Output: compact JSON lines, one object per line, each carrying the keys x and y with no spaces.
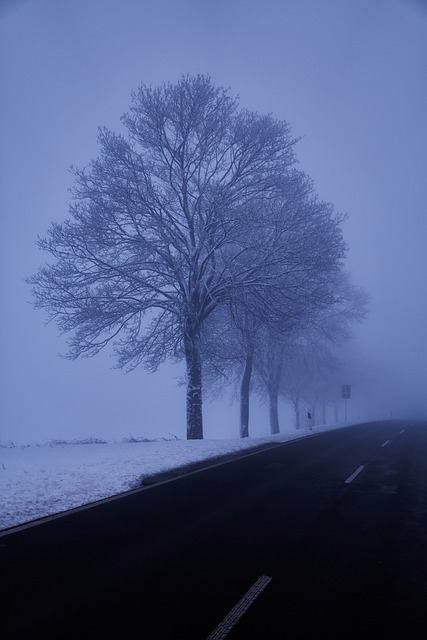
{"x":326,"y":534}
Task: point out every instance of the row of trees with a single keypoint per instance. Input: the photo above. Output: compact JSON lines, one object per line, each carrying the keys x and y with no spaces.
{"x":195,"y":237}
{"x":300,"y":361}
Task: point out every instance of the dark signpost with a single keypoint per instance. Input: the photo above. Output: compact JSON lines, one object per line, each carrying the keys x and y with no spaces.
{"x":345,"y":393}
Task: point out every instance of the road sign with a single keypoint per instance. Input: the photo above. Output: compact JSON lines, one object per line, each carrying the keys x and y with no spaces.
{"x":346,"y":391}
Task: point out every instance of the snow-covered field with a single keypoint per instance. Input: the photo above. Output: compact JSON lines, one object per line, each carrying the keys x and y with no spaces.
{"x":42,"y":480}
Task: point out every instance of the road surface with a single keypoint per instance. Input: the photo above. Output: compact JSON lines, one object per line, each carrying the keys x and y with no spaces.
{"x":325,"y":534}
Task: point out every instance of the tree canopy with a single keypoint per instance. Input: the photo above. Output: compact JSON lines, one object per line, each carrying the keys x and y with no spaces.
{"x":196,"y":206}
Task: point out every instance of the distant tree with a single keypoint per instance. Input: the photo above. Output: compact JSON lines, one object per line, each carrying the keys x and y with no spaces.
{"x":310,"y":367}
{"x":315,"y":358}
{"x":313,"y":250}
{"x":163,"y":228}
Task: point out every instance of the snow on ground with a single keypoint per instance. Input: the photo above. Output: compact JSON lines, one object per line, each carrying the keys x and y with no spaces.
{"x":43,"y":480}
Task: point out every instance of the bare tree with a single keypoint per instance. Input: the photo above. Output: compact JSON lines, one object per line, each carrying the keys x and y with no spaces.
{"x":316,"y":356}
{"x":309,"y":367}
{"x":301,"y":239}
{"x":161,"y":228}
{"x":312,"y":251}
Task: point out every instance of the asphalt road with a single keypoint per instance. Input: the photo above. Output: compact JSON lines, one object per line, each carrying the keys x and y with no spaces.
{"x":322,"y":535}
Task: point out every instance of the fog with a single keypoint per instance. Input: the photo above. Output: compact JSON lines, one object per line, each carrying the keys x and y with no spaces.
{"x":349,"y":77}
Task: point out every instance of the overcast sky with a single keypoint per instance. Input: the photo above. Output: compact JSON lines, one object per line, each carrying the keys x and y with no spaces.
{"x":350,"y":77}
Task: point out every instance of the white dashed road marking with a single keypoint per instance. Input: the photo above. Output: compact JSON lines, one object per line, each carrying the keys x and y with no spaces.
{"x":356,"y":473}
{"x":237,"y":612}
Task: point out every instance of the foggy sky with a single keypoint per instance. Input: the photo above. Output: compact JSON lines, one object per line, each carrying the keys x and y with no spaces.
{"x":349,"y":77}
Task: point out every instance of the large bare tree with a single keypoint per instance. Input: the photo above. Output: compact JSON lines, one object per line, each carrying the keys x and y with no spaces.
{"x":162,"y":228}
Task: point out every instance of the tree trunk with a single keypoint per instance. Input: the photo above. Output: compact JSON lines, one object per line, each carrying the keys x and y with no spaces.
{"x":273,"y":397}
{"x":323,"y":412}
{"x":297,"y":412}
{"x":194,"y":387}
{"x":244,"y":395}
{"x":273,"y":384}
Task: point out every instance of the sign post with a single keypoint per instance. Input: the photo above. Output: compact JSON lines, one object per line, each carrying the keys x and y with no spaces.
{"x":346,"y":393}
